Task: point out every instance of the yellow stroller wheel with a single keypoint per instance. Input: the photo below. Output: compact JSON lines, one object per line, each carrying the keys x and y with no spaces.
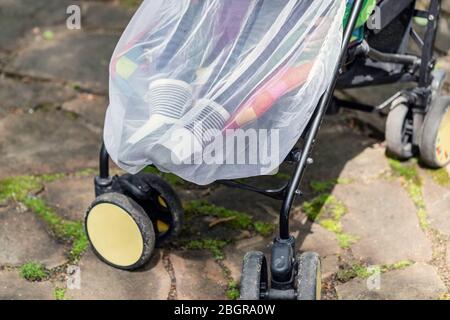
{"x":120,"y":232}
{"x":435,"y":142}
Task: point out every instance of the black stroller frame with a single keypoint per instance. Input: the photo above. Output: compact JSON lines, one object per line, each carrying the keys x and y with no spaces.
{"x":283,"y":265}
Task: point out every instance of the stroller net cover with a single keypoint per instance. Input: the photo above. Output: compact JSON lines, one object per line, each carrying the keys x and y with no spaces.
{"x":219,"y":89}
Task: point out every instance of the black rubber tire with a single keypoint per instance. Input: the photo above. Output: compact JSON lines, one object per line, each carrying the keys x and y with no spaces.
{"x":174,"y":208}
{"x":308,"y":276}
{"x":398,"y":144}
{"x":432,"y":123}
{"x":141,"y":219}
{"x":254,"y":277}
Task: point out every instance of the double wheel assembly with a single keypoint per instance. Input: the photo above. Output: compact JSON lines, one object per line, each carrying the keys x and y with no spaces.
{"x":291,"y":277}
{"x":425,"y":132}
{"x":135,"y":214}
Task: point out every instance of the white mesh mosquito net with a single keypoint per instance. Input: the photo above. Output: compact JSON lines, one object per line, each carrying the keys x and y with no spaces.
{"x":218,"y":89}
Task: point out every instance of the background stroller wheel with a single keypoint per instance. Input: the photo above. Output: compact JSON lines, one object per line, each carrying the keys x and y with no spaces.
{"x":163,"y":207}
{"x":435,"y":140}
{"x":120,"y":231}
{"x":254,"y":278}
{"x":309,"y":274}
{"x":399,"y":132}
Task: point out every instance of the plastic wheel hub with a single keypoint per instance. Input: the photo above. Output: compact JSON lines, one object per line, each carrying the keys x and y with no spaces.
{"x":114,"y":234}
{"x":443,"y":139}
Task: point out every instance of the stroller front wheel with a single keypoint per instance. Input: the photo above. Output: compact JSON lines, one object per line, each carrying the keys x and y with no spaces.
{"x":120,"y":232}
{"x":309,"y":275}
{"x":254,"y":279}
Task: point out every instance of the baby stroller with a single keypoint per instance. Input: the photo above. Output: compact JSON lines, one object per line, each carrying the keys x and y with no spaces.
{"x":133,"y":212}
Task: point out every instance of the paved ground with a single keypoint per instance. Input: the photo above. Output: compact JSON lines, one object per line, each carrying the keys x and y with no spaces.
{"x":381,"y":227}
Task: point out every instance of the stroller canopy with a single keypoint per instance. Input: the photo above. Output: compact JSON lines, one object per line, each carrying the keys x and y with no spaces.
{"x":219,"y":89}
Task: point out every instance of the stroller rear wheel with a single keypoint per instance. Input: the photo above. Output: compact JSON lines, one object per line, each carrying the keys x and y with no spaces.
{"x":162,"y":206}
{"x":399,"y":132}
{"x":308,"y":280}
{"x":120,"y":231}
{"x":435,"y":139}
{"x":254,"y":279}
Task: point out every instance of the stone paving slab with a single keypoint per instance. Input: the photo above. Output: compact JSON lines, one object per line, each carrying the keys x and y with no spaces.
{"x":384,"y":218}
{"x":109,"y":16}
{"x":198,"y":276}
{"x":313,"y":237}
{"x":67,"y":140}
{"x":75,"y":56}
{"x":329,"y":266}
{"x":234,"y":254}
{"x":448,"y":254}
{"x":25,"y":95}
{"x":370,"y":164}
{"x":337,"y":144}
{"x":73,"y":202}
{"x":13,"y":287}
{"x":437,"y":201}
{"x":19,"y":17}
{"x":418,"y":282}
{"x":45,"y":142}
{"x":102,"y":282}
{"x":24,"y":238}
{"x":90,"y":108}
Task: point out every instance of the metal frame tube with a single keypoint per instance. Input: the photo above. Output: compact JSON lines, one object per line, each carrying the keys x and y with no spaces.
{"x":316,"y":121}
{"x":104,"y":163}
{"x":429,"y":39}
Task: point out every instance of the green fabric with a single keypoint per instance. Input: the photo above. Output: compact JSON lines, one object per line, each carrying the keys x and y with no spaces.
{"x":366,"y":11}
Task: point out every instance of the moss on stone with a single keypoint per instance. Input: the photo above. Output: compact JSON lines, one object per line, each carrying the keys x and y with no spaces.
{"x":68,"y":231}
{"x":237,"y":220}
{"x":86,"y":172}
{"x":412,"y":183}
{"x":215,"y":246}
{"x":440,"y":176}
{"x":232,"y":290}
{"x":328,"y":211}
{"x":264,"y":228}
{"x":34,"y":271}
{"x":359,"y":270}
{"x":60,"y":294}
{"x":396,"y":266}
{"x":406,"y":170}
{"x":204,"y":208}
{"x":17,"y":188}
{"x":21,"y":188}
{"x":314,"y":207}
{"x":331,"y":225}
{"x":326,"y":186}
{"x":345,"y":240}
{"x":353,"y":271}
